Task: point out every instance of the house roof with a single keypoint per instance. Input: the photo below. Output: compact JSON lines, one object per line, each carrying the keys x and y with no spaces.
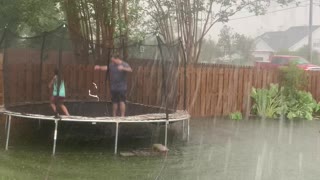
{"x":280,"y":40}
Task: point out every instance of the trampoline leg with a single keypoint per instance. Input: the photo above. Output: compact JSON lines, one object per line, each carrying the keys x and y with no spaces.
{"x":6,"y":125}
{"x":188,"y":133}
{"x":116,"y":140}
{"x":183,"y":129}
{"x":8,"y":133}
{"x":166,"y":135}
{"x":55,"y":137}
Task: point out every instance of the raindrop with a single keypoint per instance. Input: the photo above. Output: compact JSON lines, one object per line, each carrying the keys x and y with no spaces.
{"x":228,"y":151}
{"x":280,"y":129}
{"x":300,"y":163}
{"x":270,"y":163}
{"x":290,"y":132}
{"x":261,"y":160}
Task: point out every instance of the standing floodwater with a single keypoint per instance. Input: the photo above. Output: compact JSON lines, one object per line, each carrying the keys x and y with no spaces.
{"x":218,"y":149}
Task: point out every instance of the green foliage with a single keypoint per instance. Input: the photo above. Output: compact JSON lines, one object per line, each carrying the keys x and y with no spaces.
{"x":297,"y":103}
{"x":267,"y":101}
{"x":192,"y":20}
{"x":288,"y":100}
{"x":30,"y":17}
{"x":209,"y":51}
{"x":134,"y":27}
{"x":300,"y":105}
{"x":292,"y":79}
{"x":236,"y":116}
{"x":230,"y":45}
{"x":225,"y":41}
{"x":273,"y":102}
{"x":243,"y":45}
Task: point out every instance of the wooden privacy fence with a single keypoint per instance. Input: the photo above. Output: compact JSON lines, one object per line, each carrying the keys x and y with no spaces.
{"x":24,"y":84}
{"x":211,"y":90}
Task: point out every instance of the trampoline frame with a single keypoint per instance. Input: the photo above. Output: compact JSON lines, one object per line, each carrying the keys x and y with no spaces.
{"x":177,"y":116}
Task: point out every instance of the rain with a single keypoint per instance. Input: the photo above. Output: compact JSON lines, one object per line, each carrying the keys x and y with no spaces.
{"x":160,"y":89}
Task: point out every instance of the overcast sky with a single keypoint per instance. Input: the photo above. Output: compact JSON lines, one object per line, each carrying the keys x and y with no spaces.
{"x":284,"y":18}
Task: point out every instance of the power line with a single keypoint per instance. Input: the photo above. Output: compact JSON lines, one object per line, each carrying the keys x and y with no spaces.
{"x":244,"y":17}
{"x":289,"y":4}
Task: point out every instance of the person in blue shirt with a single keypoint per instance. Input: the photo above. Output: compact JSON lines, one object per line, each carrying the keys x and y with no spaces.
{"x":118,"y":83}
{"x":55,"y":98}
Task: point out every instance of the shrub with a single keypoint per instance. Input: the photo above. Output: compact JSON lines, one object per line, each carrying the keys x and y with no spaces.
{"x":273,"y":102}
{"x":236,"y":116}
{"x":267,"y":101}
{"x":292,"y":79}
{"x":301,"y":105}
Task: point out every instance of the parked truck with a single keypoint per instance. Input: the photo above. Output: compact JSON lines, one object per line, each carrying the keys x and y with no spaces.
{"x":277,"y":61}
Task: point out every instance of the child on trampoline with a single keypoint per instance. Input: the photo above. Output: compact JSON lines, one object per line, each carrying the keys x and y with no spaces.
{"x":58,"y":99}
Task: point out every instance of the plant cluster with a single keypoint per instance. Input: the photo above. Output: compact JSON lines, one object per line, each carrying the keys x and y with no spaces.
{"x":236,"y":116}
{"x":288,"y":100}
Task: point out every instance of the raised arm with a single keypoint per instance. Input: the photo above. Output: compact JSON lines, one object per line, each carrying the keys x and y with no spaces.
{"x":102,"y":68}
{"x":51,"y":82}
{"x":125,"y":67}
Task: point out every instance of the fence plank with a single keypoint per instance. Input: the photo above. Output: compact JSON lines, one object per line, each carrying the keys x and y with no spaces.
{"x":240,"y":90}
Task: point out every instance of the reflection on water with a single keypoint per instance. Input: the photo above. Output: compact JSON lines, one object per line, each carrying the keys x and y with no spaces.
{"x":218,"y":149}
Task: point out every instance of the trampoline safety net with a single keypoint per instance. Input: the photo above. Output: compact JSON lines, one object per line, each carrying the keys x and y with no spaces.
{"x":29,"y":64}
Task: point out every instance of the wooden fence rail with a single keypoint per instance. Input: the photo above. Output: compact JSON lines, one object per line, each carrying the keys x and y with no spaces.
{"x":211,"y":90}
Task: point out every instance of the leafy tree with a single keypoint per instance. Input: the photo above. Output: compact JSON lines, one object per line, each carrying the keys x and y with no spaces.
{"x":191,"y":20}
{"x":225,"y":41}
{"x":210,"y":51}
{"x":243,"y":45}
{"x":95,"y":24}
{"x":30,"y":17}
{"x":230,"y":43}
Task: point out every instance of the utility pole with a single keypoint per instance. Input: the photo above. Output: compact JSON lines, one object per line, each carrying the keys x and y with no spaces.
{"x":310,"y":31}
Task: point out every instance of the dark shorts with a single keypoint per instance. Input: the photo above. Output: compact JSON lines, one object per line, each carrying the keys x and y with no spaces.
{"x":118,"y":96}
{"x":57,"y":99}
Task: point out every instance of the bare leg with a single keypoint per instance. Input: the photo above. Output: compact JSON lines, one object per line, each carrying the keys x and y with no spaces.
{"x":64,"y":109}
{"x":122,"y":108}
{"x":114,"y":109}
{"x":53,"y":106}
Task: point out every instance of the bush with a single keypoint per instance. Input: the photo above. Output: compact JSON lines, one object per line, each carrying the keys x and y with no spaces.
{"x":292,"y":79}
{"x":267,"y":101}
{"x":273,"y":102}
{"x":236,"y":116}
{"x":301,"y":105}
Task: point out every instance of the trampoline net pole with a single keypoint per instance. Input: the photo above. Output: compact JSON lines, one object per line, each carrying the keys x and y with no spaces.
{"x":4,"y":63}
{"x":59,"y":67}
{"x":164,"y":77}
{"x":184,"y":76}
{"x":41,"y":63}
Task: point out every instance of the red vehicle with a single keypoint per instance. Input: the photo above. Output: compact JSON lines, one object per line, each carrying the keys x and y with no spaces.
{"x":277,"y":61}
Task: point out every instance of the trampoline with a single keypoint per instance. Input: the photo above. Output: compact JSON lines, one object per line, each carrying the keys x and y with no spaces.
{"x":156,"y":87}
{"x":95,"y":112}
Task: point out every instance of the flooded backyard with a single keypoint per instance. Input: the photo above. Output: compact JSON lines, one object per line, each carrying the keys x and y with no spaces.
{"x":218,"y":149}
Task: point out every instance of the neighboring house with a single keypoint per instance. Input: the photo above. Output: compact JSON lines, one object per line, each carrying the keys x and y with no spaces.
{"x":292,"y":39}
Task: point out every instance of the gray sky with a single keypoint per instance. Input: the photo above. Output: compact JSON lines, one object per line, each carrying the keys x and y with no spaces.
{"x":273,"y":21}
